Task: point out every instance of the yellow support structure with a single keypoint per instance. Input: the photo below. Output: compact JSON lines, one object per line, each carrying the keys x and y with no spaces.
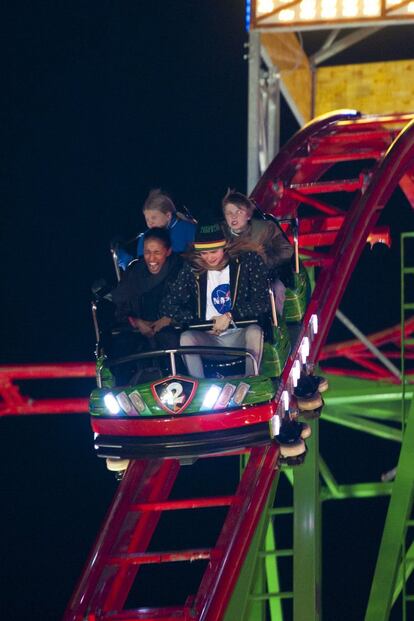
{"x":374,"y":88}
{"x":287,"y":55}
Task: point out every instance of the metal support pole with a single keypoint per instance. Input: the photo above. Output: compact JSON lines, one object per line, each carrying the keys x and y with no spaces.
{"x":307,"y":535}
{"x":253,"y":111}
{"x":372,"y":348}
{"x":343,"y":44}
{"x":273,"y":116}
{"x":399,"y":510}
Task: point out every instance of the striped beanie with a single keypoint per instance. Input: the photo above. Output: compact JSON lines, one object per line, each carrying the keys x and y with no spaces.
{"x":209,"y":237}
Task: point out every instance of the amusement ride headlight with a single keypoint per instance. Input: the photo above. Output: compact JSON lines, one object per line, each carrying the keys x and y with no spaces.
{"x":295,"y":373}
{"x":211,"y":397}
{"x":314,"y":323}
{"x":274,"y":425}
{"x":285,"y":400}
{"x":125,"y":403}
{"x":225,"y":395}
{"x":111,"y":403}
{"x":304,"y":349}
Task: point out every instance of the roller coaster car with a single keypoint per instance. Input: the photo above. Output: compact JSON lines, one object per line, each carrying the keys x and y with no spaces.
{"x":175,"y":415}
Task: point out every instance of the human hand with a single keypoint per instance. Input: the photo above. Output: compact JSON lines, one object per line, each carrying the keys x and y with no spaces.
{"x":144,"y":327}
{"x":221,"y":323}
{"x":160,"y":324}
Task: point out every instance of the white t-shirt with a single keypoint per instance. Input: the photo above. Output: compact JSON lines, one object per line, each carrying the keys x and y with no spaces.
{"x":218,"y":293}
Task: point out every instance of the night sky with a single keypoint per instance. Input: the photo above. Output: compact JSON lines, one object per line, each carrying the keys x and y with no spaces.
{"x":100,"y":102}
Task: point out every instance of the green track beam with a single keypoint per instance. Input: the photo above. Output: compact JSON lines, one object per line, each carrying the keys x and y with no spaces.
{"x":245,"y":603}
{"x":385,"y":577}
{"x":307,"y":535}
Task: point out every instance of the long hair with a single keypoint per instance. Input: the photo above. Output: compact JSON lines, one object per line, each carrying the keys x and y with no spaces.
{"x":197,"y":263}
{"x":261,"y":243}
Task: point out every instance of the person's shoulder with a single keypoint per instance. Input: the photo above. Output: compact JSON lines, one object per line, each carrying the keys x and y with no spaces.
{"x":186,"y":268}
{"x":140,"y":239}
{"x":176,"y":262}
{"x":260,"y":226}
{"x":251,"y":259}
{"x":185,"y":225}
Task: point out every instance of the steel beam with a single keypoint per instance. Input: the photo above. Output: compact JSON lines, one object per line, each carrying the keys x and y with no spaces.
{"x":253,"y":110}
{"x":307,"y":535}
{"x":386,"y":571}
{"x":343,"y":44}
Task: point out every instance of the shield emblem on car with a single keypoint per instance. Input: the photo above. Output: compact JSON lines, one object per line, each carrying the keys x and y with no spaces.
{"x":174,"y":394}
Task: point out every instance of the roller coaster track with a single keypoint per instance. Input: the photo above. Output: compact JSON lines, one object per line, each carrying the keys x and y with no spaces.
{"x":379,"y":152}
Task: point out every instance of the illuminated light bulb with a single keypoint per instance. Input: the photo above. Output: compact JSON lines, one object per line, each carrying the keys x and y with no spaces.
{"x":293,"y":378}
{"x":287,"y":15}
{"x":275,"y":425}
{"x":295,"y":373}
{"x":314,"y":323}
{"x":349,"y":8}
{"x":391,"y":3}
{"x":304,"y":349}
{"x":226,"y":394}
{"x":308,"y":9}
{"x":371,"y":7}
{"x":328,"y":9}
{"x":124,"y":402}
{"x":111,"y":403}
{"x":285,"y":399}
{"x":410,"y":7}
{"x":265,"y":6}
{"x":211,"y":397}
{"x":296,"y":367}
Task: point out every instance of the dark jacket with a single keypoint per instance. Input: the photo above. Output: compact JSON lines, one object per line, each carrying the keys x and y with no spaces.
{"x":139,"y":293}
{"x":186,"y":300}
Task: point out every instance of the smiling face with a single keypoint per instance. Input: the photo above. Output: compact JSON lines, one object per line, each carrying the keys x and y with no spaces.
{"x":237,"y":217}
{"x":212,"y":258}
{"x":156,"y":218}
{"x":155,"y":255}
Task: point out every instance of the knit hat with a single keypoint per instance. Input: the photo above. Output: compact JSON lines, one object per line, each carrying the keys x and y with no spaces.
{"x":209,"y":237}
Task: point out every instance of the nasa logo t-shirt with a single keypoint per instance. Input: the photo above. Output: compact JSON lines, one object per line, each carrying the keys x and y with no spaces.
{"x":218,"y":293}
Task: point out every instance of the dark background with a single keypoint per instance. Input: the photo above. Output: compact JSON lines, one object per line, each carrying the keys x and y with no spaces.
{"x":101,"y":101}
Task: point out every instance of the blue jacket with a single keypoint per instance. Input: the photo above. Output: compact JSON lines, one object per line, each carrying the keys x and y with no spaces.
{"x":182,"y":233}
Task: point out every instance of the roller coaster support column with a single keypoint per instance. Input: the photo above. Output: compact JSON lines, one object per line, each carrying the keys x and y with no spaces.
{"x":253,"y":172}
{"x":389,"y":557}
{"x":263,"y":110}
{"x":307,"y":535}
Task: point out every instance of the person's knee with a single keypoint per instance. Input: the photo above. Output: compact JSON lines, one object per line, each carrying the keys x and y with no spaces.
{"x":188,"y":338}
{"x":254,"y":334}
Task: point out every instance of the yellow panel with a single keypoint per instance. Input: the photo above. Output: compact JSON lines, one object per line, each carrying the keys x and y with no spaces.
{"x":372,"y":88}
{"x":289,"y":58}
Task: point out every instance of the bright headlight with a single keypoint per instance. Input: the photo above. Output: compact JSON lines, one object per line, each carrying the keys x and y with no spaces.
{"x":211,"y":397}
{"x":111,"y":403}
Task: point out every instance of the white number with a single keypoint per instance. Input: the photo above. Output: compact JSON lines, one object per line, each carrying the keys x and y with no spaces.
{"x":173,"y":394}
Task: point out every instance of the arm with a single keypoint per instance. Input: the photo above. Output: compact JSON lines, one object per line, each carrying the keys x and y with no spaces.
{"x":279,"y":250}
{"x":124,"y":258}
